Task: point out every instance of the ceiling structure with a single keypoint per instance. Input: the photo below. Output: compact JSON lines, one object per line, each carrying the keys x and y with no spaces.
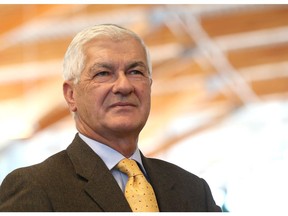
{"x":208,"y":61}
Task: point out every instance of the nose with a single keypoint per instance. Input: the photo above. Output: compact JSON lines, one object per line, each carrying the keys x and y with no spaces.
{"x":122,"y":85}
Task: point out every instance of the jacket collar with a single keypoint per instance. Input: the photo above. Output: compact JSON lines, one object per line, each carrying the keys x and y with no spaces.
{"x":101,"y":185}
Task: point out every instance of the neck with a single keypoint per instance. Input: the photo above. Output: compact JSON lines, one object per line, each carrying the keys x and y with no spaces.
{"x":125,"y":147}
{"x":124,"y":144}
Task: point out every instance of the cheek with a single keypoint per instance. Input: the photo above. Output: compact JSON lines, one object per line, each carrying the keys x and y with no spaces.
{"x":95,"y":98}
{"x":146,"y":97}
{"x":85,"y":98}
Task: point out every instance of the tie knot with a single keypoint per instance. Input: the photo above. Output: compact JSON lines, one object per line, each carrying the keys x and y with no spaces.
{"x":129,"y":167}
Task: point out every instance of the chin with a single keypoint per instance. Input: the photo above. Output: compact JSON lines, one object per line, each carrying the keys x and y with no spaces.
{"x":124,"y":126}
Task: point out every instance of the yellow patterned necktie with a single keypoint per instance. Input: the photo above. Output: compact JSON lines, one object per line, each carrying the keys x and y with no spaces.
{"x":138,"y":192}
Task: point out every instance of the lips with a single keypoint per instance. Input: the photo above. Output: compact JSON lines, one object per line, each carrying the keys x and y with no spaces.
{"x":123,"y":104}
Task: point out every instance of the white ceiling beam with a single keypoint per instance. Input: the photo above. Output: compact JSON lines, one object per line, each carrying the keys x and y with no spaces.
{"x":252,"y":39}
{"x":30,"y":71}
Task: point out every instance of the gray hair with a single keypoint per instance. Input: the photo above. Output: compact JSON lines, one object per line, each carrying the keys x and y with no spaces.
{"x":74,"y":59}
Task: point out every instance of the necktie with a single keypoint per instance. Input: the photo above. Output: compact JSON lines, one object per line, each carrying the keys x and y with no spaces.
{"x":138,"y":192}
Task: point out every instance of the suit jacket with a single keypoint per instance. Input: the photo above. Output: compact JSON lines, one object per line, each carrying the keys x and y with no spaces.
{"x":76,"y":179}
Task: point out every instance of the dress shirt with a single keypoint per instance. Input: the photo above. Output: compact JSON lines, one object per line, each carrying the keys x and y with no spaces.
{"x":111,"y":158}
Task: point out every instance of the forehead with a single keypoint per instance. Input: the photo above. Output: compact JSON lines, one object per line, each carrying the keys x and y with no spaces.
{"x":104,"y":48}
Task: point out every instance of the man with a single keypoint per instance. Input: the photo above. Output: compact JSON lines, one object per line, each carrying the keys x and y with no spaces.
{"x":107,"y":72}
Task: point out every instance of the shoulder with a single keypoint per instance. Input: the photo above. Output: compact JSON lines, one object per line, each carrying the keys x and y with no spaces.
{"x":163,"y":171}
{"x":25,"y":189}
{"x":54,"y":163}
{"x":30,"y":175}
{"x":52,"y":166}
{"x":190,"y":192}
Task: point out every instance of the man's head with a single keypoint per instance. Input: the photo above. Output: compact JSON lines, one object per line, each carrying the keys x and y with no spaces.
{"x":108,"y":83}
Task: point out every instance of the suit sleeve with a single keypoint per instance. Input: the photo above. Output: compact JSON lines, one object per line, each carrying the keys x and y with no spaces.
{"x":20,"y":192}
{"x":211,"y":205}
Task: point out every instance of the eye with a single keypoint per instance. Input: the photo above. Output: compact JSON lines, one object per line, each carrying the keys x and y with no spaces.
{"x":102,"y":74}
{"x":136,"y":72}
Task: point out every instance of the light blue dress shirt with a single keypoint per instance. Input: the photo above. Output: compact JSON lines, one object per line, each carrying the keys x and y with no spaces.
{"x":111,"y":158}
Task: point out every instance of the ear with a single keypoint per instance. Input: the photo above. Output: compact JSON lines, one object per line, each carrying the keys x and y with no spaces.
{"x":69,"y":94}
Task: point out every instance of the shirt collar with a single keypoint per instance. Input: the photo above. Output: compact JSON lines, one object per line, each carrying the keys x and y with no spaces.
{"x":110,"y":156}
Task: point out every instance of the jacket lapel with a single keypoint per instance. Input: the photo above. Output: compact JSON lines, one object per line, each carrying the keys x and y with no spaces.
{"x":165,"y":186}
{"x":104,"y":190}
{"x":101,"y":185}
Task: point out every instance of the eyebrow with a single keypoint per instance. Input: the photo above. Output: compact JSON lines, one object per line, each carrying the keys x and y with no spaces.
{"x":101,"y":65}
{"x":111,"y":66}
{"x":136,"y":64}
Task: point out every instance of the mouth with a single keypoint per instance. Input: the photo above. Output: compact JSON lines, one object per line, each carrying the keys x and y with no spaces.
{"x":123,"y":104}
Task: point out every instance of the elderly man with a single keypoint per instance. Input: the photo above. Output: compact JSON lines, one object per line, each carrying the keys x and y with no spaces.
{"x":107,"y":87}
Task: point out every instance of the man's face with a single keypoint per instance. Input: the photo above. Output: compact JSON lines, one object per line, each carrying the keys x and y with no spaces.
{"x":113,"y":94}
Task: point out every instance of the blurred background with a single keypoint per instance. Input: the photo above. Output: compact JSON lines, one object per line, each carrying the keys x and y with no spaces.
{"x":219,"y":95}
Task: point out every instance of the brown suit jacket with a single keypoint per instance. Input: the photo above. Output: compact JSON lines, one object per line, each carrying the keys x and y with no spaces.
{"x":76,"y":179}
